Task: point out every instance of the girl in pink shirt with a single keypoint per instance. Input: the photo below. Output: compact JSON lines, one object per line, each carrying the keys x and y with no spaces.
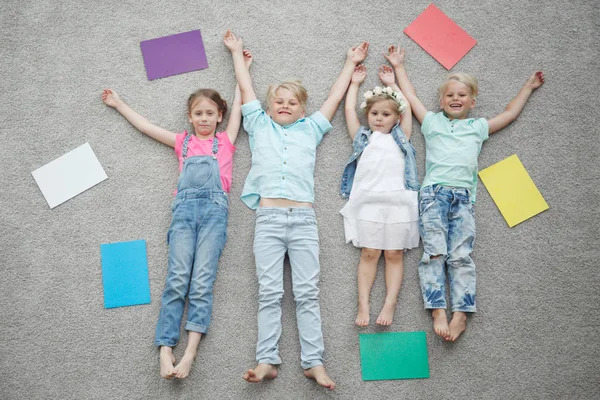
{"x":200,"y":210}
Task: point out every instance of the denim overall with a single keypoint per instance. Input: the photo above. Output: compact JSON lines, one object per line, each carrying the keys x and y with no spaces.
{"x":196,"y":239}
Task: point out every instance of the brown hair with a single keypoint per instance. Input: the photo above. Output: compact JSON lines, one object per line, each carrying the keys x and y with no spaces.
{"x":208,"y":94}
{"x":380,"y":97}
{"x":294,"y":86}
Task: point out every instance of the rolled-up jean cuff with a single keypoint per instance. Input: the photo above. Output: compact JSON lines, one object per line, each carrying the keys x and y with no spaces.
{"x":190,"y":326}
{"x":163,"y":343}
{"x":469,"y":309}
{"x":311,"y":364}
{"x":270,"y":361}
{"x":434,"y":306}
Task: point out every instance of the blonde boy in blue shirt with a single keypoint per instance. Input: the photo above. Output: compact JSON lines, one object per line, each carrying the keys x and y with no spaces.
{"x":447,"y":221}
{"x":280,"y":186}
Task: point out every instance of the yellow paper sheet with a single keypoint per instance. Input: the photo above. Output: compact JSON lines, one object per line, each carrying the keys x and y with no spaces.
{"x":513,"y":191}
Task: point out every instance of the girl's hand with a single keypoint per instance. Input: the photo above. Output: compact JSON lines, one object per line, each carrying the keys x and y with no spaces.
{"x":386,"y":74}
{"x":359,"y":75}
{"x":111,"y":98}
{"x":359,"y":53}
{"x":395,"y":55}
{"x":232,"y":42}
{"x":535,"y":80}
{"x":247,"y":58}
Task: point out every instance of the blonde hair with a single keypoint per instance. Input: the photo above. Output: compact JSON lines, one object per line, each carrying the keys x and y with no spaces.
{"x":461,"y":77}
{"x":294,"y":86}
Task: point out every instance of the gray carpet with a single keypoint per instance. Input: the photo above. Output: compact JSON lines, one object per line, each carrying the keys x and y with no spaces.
{"x":536,"y":331}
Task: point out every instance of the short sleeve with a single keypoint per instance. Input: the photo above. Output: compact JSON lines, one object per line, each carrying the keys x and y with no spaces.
{"x":223,"y":137}
{"x":483,"y":128}
{"x":426,"y":125}
{"x":361,"y":131}
{"x":320,"y":124}
{"x":179,"y":143}
{"x":252,"y":113}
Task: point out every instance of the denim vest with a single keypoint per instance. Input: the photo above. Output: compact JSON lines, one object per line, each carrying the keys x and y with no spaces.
{"x":361,"y":140}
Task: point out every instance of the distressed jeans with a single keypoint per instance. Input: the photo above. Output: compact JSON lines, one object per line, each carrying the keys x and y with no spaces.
{"x":447,"y":226}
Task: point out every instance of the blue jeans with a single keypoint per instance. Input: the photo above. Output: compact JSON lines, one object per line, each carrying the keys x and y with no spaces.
{"x":196,"y":238}
{"x":291,"y":230}
{"x":447,"y":225}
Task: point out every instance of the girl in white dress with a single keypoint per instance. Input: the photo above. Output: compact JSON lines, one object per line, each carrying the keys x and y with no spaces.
{"x":382,"y":212}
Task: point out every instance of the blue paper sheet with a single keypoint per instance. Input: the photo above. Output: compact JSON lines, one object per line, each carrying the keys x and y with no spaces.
{"x":125,"y":274}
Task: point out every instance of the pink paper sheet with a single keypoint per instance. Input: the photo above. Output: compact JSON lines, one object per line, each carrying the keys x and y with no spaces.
{"x":439,"y":36}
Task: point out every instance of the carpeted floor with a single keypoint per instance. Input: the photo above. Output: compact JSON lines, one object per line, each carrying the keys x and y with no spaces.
{"x":535,"y":335}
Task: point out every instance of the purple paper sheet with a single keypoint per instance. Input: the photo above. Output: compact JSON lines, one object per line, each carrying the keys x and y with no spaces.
{"x":175,"y":54}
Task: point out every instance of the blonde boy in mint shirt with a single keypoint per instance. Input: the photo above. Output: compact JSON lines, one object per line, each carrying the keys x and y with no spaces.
{"x":447,"y":221}
{"x":280,"y":187}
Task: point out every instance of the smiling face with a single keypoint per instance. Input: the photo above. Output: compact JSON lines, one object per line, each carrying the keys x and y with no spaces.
{"x":383,"y":115}
{"x":285,"y":108}
{"x":457,"y":100}
{"x":204,"y":115}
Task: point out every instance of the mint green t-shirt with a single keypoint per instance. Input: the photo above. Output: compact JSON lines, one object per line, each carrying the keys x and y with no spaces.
{"x":451,"y":150}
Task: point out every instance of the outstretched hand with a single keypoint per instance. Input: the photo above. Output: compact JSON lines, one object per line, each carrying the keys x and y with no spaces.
{"x":359,"y":75}
{"x":386,"y":74}
{"x":232,"y":42}
{"x":535,"y":80}
{"x":359,"y":53}
{"x":111,"y":98}
{"x":395,"y":55}
{"x":248,"y":58}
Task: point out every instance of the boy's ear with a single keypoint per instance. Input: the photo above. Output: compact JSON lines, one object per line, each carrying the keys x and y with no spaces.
{"x":473,"y":103}
{"x":220,"y":117}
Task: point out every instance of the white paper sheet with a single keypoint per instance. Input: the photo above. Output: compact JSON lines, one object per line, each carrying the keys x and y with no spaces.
{"x":69,"y":175}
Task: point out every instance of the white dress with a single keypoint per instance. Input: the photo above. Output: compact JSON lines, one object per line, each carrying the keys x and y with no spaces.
{"x":381,"y":213}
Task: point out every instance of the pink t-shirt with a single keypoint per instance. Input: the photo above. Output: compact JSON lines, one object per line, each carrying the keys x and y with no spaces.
{"x":197,"y":147}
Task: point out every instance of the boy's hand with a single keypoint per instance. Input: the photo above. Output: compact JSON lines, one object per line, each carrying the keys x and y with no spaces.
{"x":111,"y":98}
{"x":386,"y":74}
{"x":535,"y":80}
{"x":359,"y":75}
{"x":232,"y":43}
{"x":395,"y":56}
{"x":359,"y":53}
{"x":247,"y":58}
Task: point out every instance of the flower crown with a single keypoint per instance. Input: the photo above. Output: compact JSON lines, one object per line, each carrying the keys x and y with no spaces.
{"x":389,"y":92}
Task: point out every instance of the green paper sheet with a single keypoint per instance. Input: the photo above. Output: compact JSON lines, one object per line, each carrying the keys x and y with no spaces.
{"x":393,"y":355}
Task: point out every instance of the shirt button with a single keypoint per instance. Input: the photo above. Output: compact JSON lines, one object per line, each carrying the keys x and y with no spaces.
{"x":284,"y":163}
{"x":283,"y":177}
{"x":285,"y":148}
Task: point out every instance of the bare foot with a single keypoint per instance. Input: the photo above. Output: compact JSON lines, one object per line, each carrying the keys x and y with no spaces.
{"x":319,"y":374}
{"x":182,"y":370}
{"x":457,"y":325}
{"x":260,"y":373}
{"x":167,"y":359}
{"x":386,"y":316}
{"x":362,"y":317}
{"x":440,"y":323}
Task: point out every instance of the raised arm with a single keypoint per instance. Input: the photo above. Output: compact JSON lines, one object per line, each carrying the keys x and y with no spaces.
{"x":112,"y":99}
{"x":395,"y":57}
{"x":235,"y":115}
{"x":352,"y":121}
{"x":386,"y":75}
{"x":514,"y":108}
{"x":355,"y":56}
{"x":242,"y":74}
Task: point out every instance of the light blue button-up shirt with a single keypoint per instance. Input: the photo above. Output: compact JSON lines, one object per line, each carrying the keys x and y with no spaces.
{"x":283,"y":157}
